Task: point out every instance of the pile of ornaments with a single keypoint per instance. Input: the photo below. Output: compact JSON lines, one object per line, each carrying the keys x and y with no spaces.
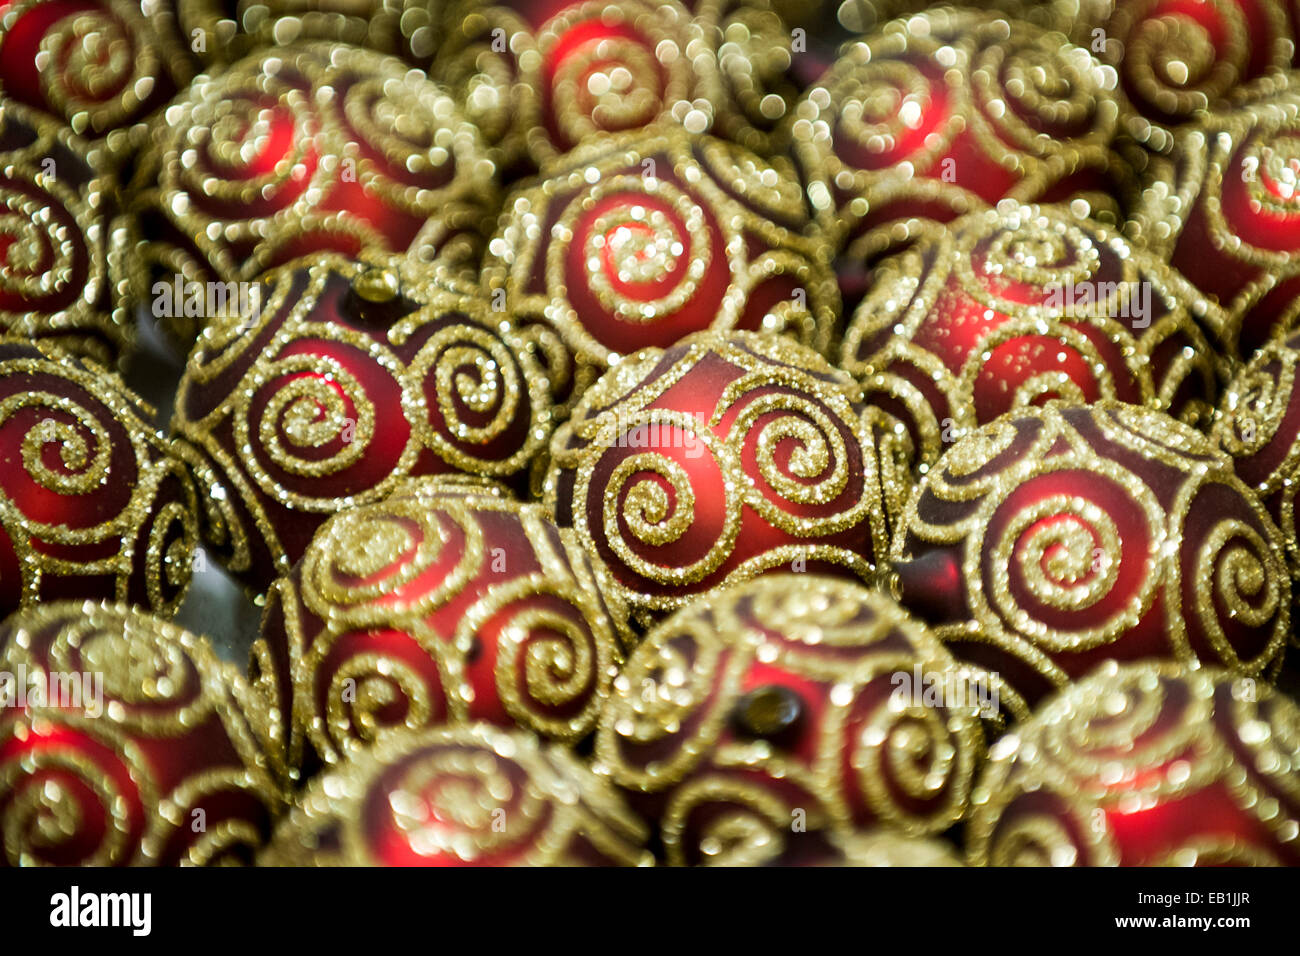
{"x":744,"y":432}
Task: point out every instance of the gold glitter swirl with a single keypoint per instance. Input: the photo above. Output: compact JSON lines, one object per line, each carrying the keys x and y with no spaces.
{"x":1124,"y":745}
{"x":460,"y":796}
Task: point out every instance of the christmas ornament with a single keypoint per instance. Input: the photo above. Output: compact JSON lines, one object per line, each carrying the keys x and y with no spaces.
{"x":437,"y":605}
{"x":948,"y":112}
{"x":340,"y":380}
{"x":640,"y":240}
{"x":97,"y":65}
{"x":479,"y":59}
{"x":1018,"y":305}
{"x":748,"y":78}
{"x":1145,"y":765}
{"x":125,"y":740}
{"x":602,"y":67}
{"x":221,"y":31}
{"x":59,"y":246}
{"x":1256,"y":425}
{"x":762,"y":714}
{"x":725,"y":456}
{"x":1176,"y":60}
{"x":1231,"y":221}
{"x":1062,"y":536}
{"x":92,"y":503}
{"x":459,"y":796}
{"x":298,"y":151}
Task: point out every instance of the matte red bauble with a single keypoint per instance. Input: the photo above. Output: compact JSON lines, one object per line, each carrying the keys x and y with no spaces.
{"x":763,"y":717}
{"x":154,"y":753}
{"x":460,"y":796}
{"x":949,"y":112}
{"x":1231,"y":220}
{"x":92,"y":502}
{"x":1018,"y":305}
{"x":440,"y":604}
{"x":340,"y":380}
{"x":720,"y":458}
{"x":302,"y":150}
{"x":1145,"y":765}
{"x":639,"y":240}
{"x":59,"y":252}
{"x":1060,"y":537}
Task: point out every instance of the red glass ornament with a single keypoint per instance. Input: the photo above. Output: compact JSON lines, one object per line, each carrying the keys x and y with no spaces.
{"x":947,"y":112}
{"x":1231,"y":218}
{"x":302,"y":150}
{"x":640,"y":240}
{"x":761,"y":719}
{"x":97,"y":65}
{"x":439,"y":604}
{"x":59,"y":261}
{"x":143,"y":749}
{"x":727,"y":455}
{"x":460,"y":796}
{"x":1060,"y":537}
{"x":92,"y":502}
{"x":1020,"y":305}
{"x":1145,"y":765}
{"x":342,"y":379}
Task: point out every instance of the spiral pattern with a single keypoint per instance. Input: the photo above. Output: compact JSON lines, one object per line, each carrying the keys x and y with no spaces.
{"x":302,"y":150}
{"x":118,"y":773}
{"x":948,"y":112}
{"x":319,"y":399}
{"x":1021,"y":305}
{"x":1233,"y":225}
{"x":787,"y":696}
{"x":92,"y":504}
{"x":1090,"y":778}
{"x":671,"y":495}
{"x":438,"y":605}
{"x":606,"y":68}
{"x":470,"y":796}
{"x":1083,"y":532}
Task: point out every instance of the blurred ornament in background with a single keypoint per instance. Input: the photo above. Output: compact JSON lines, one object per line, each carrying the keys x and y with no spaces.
{"x":97,"y":65}
{"x":947,"y":113}
{"x":1177,"y":60}
{"x":440,"y":604}
{"x":1059,"y":537}
{"x":343,"y":378}
{"x":1016,"y":306}
{"x":1259,"y":426}
{"x":148,"y":751}
{"x":720,"y":458}
{"x":602,"y":67}
{"x":1229,"y":214}
{"x":639,"y":240}
{"x":60,"y":264}
{"x":93,"y":504}
{"x":303,"y":150}
{"x":763,"y":717}
{"x":460,"y":796}
{"x":1145,"y":765}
